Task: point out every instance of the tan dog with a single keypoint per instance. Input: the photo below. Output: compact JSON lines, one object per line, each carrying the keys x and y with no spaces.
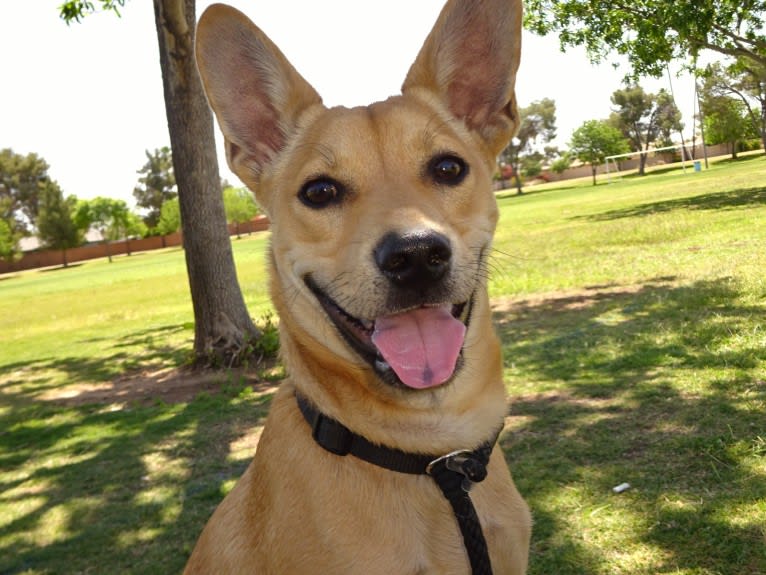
{"x":382,"y":219}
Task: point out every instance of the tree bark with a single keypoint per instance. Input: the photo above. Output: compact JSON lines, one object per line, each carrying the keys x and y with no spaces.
{"x":223,"y":329}
{"x":515,"y":165}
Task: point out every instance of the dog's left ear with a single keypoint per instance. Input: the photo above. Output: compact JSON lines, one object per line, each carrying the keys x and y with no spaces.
{"x":469,"y":62}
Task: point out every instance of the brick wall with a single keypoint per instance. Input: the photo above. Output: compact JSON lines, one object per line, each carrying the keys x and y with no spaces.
{"x":47,"y":258}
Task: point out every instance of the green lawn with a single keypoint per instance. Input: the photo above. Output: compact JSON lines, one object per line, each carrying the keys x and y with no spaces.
{"x":633,"y":323}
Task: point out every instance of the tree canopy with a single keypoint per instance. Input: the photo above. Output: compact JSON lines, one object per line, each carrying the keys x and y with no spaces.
{"x":727,"y":108}
{"x":645,"y":119}
{"x":537,"y":126}
{"x":156,"y":185}
{"x":57,"y":227}
{"x":76,"y":10}
{"x":743,"y":81}
{"x":240,"y":206}
{"x":23,"y":178}
{"x":112,"y":218}
{"x":726,"y":122}
{"x":651,"y":33}
{"x":9,"y":243}
{"x":594,"y":141}
{"x":170,"y":217}
{"x":24,"y":183}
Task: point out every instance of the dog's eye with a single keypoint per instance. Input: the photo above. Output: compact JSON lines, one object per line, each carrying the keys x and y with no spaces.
{"x":447,"y":170}
{"x":320,"y":193}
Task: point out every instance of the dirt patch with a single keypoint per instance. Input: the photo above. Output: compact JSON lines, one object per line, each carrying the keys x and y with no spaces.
{"x":176,"y":385}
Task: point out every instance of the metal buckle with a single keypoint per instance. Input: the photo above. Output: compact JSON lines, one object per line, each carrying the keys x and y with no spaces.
{"x":464,"y":462}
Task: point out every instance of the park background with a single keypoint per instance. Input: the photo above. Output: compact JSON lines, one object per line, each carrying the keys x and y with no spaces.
{"x":631,"y":316}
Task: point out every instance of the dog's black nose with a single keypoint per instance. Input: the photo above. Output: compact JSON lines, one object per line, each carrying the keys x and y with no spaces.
{"x":415,"y":260}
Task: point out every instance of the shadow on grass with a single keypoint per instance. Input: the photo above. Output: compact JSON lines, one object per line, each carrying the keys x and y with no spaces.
{"x":135,"y":351}
{"x":534,"y":190}
{"x":678,"y":167}
{"x":62,"y":267}
{"x":91,"y":488}
{"x":662,"y":387}
{"x":715,"y":201}
{"x":747,"y":157}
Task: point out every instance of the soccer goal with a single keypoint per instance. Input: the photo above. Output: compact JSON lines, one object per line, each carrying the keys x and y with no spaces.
{"x":616,"y":170}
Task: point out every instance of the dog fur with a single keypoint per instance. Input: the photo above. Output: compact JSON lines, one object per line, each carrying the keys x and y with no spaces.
{"x":336,"y":183}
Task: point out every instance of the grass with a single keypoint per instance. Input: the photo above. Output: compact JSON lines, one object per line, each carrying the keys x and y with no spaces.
{"x":96,"y":320}
{"x":632,"y":319}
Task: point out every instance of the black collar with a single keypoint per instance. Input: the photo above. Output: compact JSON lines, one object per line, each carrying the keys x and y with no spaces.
{"x":338,"y":439}
{"x":454,"y":473}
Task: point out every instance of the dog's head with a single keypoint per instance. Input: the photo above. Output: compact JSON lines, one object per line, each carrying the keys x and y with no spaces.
{"x":382,"y":216}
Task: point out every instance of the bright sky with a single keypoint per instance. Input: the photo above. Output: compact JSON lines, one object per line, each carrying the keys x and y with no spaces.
{"x":88,"y":97}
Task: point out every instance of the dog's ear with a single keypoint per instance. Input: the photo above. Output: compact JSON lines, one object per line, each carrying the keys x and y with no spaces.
{"x":255,"y":92}
{"x":469,"y":62}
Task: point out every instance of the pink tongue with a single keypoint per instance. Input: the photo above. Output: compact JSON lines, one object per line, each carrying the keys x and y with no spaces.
{"x":421,"y":346}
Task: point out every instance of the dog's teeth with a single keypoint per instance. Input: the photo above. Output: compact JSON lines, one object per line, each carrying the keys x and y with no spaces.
{"x":382,"y":365}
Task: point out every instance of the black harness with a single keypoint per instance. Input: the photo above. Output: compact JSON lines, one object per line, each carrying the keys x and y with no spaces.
{"x":454,"y":473}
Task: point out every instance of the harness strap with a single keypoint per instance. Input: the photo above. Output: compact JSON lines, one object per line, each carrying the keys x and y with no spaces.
{"x":454,"y":473}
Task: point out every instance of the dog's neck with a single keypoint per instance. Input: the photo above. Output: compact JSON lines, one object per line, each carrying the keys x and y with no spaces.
{"x":463,"y":412}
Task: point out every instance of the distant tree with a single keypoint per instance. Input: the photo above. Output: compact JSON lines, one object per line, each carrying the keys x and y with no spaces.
{"x":156,"y":185}
{"x":240,"y":206}
{"x":651,"y":33}
{"x":9,"y":243}
{"x":23,"y":178}
{"x":726,"y":122}
{"x":531,"y":165}
{"x":644,"y":118}
{"x":133,"y":227}
{"x":744,"y":81}
{"x":594,"y":141}
{"x":57,"y":227}
{"x":223,"y":328}
{"x":170,"y":217}
{"x":538,"y":126}
{"x":562,"y":163}
{"x":108,"y":216}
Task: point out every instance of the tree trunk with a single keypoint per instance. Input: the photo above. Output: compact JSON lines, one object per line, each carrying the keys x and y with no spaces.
{"x":642,"y":162}
{"x":593,"y":171}
{"x":223,"y":329}
{"x":517,"y":176}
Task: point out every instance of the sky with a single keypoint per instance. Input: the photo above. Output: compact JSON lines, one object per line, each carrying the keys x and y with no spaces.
{"x":88,"y":97}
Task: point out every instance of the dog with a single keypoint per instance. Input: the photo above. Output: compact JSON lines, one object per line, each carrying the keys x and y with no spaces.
{"x":382,"y":219}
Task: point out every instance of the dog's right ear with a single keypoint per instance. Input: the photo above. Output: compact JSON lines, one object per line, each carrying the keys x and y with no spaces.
{"x":255,"y":92}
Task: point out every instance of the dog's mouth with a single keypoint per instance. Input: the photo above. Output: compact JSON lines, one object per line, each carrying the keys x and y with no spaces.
{"x":418,"y":348}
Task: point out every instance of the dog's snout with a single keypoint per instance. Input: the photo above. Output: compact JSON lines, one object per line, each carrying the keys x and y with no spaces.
{"x":414,"y":260}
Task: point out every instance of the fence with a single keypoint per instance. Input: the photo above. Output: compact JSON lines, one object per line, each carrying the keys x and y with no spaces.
{"x":47,"y":258}
{"x":632,"y":163}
